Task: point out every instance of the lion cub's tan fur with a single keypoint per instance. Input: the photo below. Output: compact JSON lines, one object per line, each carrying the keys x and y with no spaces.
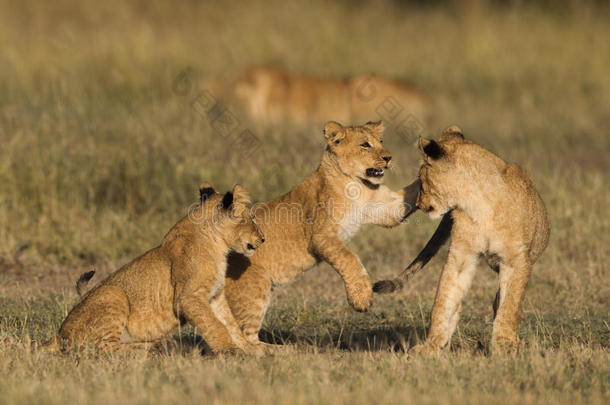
{"x":179,"y":281}
{"x":497,"y":214}
{"x":314,"y":221}
{"x":271,"y":95}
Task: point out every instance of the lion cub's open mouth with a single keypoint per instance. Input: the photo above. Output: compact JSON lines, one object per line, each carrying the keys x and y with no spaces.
{"x":374,"y":172}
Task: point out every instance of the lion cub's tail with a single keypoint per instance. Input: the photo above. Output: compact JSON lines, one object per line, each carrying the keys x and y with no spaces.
{"x":438,"y":239}
{"x":82,"y":281}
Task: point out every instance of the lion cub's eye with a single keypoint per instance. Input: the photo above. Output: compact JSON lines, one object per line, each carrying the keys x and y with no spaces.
{"x":365,"y":145}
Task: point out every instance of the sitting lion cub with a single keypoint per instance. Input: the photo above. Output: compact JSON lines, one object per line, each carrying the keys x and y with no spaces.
{"x":181,"y":280}
{"x":492,"y":210}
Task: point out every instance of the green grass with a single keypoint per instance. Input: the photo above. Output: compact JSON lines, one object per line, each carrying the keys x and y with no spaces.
{"x":99,"y":156}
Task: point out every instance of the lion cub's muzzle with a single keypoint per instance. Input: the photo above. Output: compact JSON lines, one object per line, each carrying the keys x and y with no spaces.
{"x":256,"y":241}
{"x":253,"y":246}
{"x":427,"y":208}
{"x":379,"y":171}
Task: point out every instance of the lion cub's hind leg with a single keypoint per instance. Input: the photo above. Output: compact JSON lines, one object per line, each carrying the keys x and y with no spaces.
{"x":494,"y":262}
{"x":99,"y":320}
{"x":513,"y":281}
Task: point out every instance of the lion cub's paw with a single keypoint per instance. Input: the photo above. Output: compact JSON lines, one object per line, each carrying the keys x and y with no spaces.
{"x":259,"y":349}
{"x":228,"y":352}
{"x":360,"y":294}
{"x":280,"y":349}
{"x":502,"y":345}
{"x":423,"y":350}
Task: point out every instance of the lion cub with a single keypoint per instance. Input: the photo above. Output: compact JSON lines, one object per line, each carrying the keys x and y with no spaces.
{"x":182,"y":280}
{"x":315,"y":220}
{"x":492,"y":210}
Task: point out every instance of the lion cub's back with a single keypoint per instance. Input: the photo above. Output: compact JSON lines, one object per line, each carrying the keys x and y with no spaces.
{"x":534,"y":211}
{"x":316,"y":99}
{"x":373,"y":96}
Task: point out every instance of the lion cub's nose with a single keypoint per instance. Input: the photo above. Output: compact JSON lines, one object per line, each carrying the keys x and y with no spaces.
{"x":387,"y":158}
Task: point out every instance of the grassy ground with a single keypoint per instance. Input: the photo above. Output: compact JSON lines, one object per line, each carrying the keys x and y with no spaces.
{"x":101,"y":152}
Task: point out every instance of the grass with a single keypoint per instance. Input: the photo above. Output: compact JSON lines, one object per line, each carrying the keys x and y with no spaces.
{"x":100,"y":155}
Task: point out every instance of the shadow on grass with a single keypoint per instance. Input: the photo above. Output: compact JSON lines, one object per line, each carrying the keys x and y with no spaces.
{"x":396,"y":339}
{"x":380,"y":339}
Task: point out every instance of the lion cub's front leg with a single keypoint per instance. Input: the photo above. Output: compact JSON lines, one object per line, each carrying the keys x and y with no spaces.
{"x":455,"y":282}
{"x":193,"y":305}
{"x":221,"y":308}
{"x":357,"y":283}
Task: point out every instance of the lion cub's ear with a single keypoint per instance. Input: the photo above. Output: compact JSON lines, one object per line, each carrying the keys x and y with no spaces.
{"x":333,"y":132}
{"x":240,"y":195}
{"x":236,"y":200}
{"x":452,"y":132}
{"x":227,"y":201}
{"x":431,"y":149}
{"x":375,"y":128}
{"x":206,"y":191}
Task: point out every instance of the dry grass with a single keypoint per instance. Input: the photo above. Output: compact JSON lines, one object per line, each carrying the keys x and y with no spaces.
{"x":99,"y":156}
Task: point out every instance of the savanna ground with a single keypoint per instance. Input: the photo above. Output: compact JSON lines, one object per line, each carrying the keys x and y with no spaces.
{"x":101,"y":152}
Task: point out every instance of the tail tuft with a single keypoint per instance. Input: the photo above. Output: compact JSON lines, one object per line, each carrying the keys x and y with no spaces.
{"x":387,"y":286}
{"x":82,"y":281}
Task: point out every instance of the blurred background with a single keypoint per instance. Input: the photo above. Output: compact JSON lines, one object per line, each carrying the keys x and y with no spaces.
{"x":109,"y":121}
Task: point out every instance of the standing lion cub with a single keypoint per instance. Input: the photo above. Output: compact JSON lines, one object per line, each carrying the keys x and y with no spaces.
{"x":182,"y":280}
{"x":491,"y":210}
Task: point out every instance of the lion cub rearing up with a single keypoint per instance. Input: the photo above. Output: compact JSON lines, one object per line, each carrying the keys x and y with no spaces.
{"x":314,"y":222}
{"x":497,"y":214}
{"x":179,"y":281}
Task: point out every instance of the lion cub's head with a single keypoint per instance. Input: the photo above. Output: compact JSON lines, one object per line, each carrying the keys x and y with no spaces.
{"x":358,"y":151}
{"x":446,"y":171}
{"x":230,"y":213}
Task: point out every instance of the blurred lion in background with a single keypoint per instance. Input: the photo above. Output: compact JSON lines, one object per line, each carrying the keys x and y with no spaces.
{"x":271,"y":96}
